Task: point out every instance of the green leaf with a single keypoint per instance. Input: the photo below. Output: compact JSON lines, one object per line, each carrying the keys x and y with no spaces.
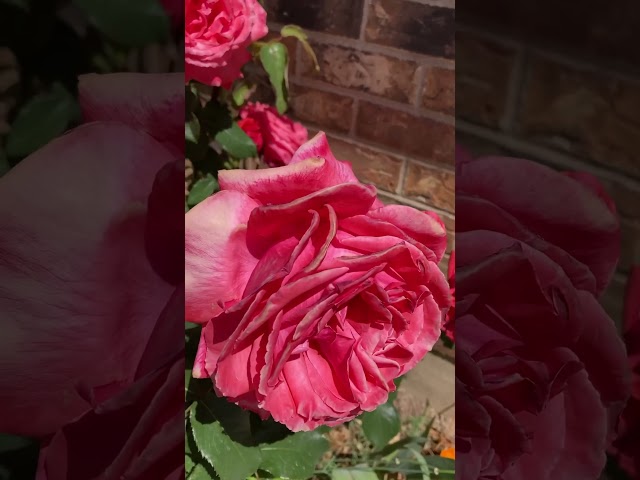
{"x":188,"y":464}
{"x":355,"y":473}
{"x":241,"y":93}
{"x":198,"y":472}
{"x":192,"y":130}
{"x":230,"y":459}
{"x":45,"y":117}
{"x":203,"y":188}
{"x":381,"y":425}
{"x":275,"y":59}
{"x":132,"y":23}
{"x":294,"y":457}
{"x":297,"y":32}
{"x":196,"y":467}
{"x":424,"y":468}
{"x":441,"y":468}
{"x":237,"y":143}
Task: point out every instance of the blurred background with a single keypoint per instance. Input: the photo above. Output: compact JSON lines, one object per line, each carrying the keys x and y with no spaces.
{"x":385,"y":96}
{"x":44,"y":46}
{"x":557,"y":82}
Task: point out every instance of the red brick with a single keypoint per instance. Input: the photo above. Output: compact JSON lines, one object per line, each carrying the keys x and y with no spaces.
{"x":367,"y":72}
{"x":406,"y":133}
{"x":326,"y":110}
{"x":328,"y":16}
{"x":483,"y":70}
{"x":369,"y":165}
{"x":412,"y":26}
{"x":439,"y":91}
{"x":433,"y":186}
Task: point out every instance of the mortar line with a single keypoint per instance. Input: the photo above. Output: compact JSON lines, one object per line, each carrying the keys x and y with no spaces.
{"x":366,"y":4}
{"x":354,"y":117}
{"x":404,"y":168}
{"x":420,"y":86}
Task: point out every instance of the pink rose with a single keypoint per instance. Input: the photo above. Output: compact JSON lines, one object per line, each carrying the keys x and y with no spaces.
{"x":217,"y":34}
{"x":75,"y":258}
{"x":540,"y":369}
{"x":251,"y":127}
{"x":313,"y":295}
{"x":281,"y":136}
{"x":627,"y":445}
{"x":141,"y":429}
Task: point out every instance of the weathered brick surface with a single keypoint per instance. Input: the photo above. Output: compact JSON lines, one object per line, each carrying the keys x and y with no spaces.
{"x":439,"y":91}
{"x":412,"y":26}
{"x":374,"y":73}
{"x":369,"y":165}
{"x":584,"y":113}
{"x":434,"y":186}
{"x":414,"y":135}
{"x":327,"y":110}
{"x":483,"y":70}
{"x":328,"y":16}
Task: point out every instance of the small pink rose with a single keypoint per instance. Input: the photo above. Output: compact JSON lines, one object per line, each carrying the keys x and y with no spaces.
{"x":313,"y":295}
{"x":251,"y":127}
{"x":281,"y":136}
{"x":217,"y":34}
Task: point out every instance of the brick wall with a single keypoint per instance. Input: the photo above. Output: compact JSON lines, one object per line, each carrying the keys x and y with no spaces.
{"x":384,"y":93}
{"x":554,"y":82}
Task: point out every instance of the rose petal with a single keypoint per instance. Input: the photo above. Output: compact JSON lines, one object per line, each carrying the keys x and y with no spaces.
{"x":422,"y":227}
{"x":556,"y":207}
{"x":75,"y":273}
{"x":217,"y":262}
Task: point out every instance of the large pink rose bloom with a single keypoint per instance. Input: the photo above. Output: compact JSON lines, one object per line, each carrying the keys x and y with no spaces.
{"x":313,"y":295}
{"x":217,"y":34}
{"x":75,"y":262}
{"x":541,"y":375}
{"x":277,"y":136}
